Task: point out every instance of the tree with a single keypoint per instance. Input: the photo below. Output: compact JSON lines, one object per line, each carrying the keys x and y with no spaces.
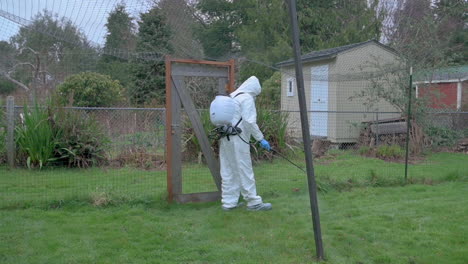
{"x":120,"y":43}
{"x":452,"y":16}
{"x":260,"y":29}
{"x":149,"y":73}
{"x":218,"y":21}
{"x":7,"y":62}
{"x":181,"y":20}
{"x":333,"y":23}
{"x":89,"y":89}
{"x":264,"y":37}
{"x":430,"y":34}
{"x":120,"y":38}
{"x":50,"y":48}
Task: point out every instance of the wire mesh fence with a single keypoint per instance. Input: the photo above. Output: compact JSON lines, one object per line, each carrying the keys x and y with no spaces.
{"x":89,"y":84}
{"x":132,"y":163}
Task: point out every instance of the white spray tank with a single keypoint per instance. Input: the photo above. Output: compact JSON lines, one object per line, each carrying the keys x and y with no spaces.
{"x":222,"y":110}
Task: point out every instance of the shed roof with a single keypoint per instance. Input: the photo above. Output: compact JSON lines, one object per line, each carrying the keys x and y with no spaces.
{"x":331,"y":53}
{"x":447,"y":74}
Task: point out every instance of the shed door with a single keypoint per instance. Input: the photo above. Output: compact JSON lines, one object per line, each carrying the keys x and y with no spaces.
{"x":319,"y":101}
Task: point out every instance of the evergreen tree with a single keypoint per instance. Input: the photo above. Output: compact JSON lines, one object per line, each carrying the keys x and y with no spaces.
{"x":149,"y":72}
{"x":182,"y":21}
{"x":120,"y":43}
{"x":120,"y":36}
{"x":260,"y":29}
{"x":332,"y":23}
{"x":452,"y":17}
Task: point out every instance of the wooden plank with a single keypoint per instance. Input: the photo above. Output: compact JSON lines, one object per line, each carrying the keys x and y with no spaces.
{"x":10,"y":137}
{"x":194,"y":117}
{"x":199,"y":70}
{"x":169,"y":129}
{"x":389,"y":128}
{"x":198,"y":197}
{"x":176,"y":155}
{"x":202,"y":62}
{"x":231,"y":87}
{"x":173,"y":137}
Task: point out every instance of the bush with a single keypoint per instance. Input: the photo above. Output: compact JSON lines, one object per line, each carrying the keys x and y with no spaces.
{"x":392,"y":151}
{"x":364,"y":150}
{"x":441,"y":136}
{"x":3,"y":131}
{"x":36,"y":137}
{"x":90,"y":89}
{"x":191,"y":144}
{"x":81,"y":142}
{"x":273,"y":124}
{"x":270,"y":97}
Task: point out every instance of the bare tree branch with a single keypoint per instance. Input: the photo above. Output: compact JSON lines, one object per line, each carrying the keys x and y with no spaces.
{"x":8,"y":77}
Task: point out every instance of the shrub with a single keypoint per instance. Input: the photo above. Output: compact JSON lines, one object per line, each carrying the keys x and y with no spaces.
{"x":364,"y":150}
{"x":191,"y":144}
{"x":392,"y":151}
{"x":90,"y":89}
{"x":274,"y":125}
{"x":3,"y":131}
{"x":81,"y":142}
{"x":441,"y":136}
{"x":270,"y":97}
{"x":36,"y":137}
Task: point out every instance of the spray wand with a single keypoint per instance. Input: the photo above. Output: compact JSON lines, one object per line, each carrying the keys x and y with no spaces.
{"x":284,"y":157}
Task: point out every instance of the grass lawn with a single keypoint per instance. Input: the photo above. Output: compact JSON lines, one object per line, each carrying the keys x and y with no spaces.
{"x":367,"y":217}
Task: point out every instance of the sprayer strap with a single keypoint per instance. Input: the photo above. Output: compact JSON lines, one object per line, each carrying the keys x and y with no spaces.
{"x":238,"y":122}
{"x":238,"y":94}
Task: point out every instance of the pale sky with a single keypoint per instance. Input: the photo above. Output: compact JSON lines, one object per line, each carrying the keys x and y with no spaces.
{"x":89,"y":16}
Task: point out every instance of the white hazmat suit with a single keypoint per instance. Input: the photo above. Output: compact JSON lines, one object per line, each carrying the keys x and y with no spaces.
{"x":236,"y":164}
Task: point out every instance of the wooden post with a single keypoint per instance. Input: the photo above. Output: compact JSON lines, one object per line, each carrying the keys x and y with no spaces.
{"x":10,"y":139}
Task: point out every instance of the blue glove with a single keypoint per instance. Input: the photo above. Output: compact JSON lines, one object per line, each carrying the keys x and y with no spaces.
{"x":265,"y":144}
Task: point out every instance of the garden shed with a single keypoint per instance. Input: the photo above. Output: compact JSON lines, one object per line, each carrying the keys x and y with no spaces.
{"x":333,"y":78}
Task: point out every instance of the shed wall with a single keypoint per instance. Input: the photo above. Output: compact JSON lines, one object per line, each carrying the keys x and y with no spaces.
{"x":290,"y":104}
{"x":348,"y":75}
{"x":352,"y":75}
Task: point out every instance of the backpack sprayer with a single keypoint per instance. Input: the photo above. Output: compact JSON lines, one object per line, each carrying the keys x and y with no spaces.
{"x":222,"y":111}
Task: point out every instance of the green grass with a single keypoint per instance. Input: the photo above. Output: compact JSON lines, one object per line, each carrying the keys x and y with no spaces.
{"x":48,"y":216}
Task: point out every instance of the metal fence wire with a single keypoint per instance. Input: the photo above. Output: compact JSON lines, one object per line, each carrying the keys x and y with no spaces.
{"x":357,"y":93}
{"x":133,"y":164}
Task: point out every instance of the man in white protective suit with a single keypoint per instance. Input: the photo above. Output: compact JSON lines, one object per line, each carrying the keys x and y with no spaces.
{"x":236,"y":165}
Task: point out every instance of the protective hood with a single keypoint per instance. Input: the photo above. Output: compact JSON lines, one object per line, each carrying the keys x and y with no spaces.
{"x":251,"y":86}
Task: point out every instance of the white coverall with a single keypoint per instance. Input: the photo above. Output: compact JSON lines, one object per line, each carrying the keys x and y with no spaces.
{"x":236,"y":165}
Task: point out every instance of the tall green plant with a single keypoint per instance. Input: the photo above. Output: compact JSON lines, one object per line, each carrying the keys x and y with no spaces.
{"x":81,"y":142}
{"x":36,"y":137}
{"x":274,"y":125}
{"x":2,"y":134}
{"x":192,"y":146}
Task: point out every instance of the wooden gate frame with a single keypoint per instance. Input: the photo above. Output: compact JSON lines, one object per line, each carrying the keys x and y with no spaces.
{"x":176,"y":70}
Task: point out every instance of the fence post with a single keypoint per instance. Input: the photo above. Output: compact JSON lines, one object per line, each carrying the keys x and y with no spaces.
{"x":312,"y":184}
{"x":10,"y":139}
{"x":408,"y":123}
{"x":377,"y":128}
